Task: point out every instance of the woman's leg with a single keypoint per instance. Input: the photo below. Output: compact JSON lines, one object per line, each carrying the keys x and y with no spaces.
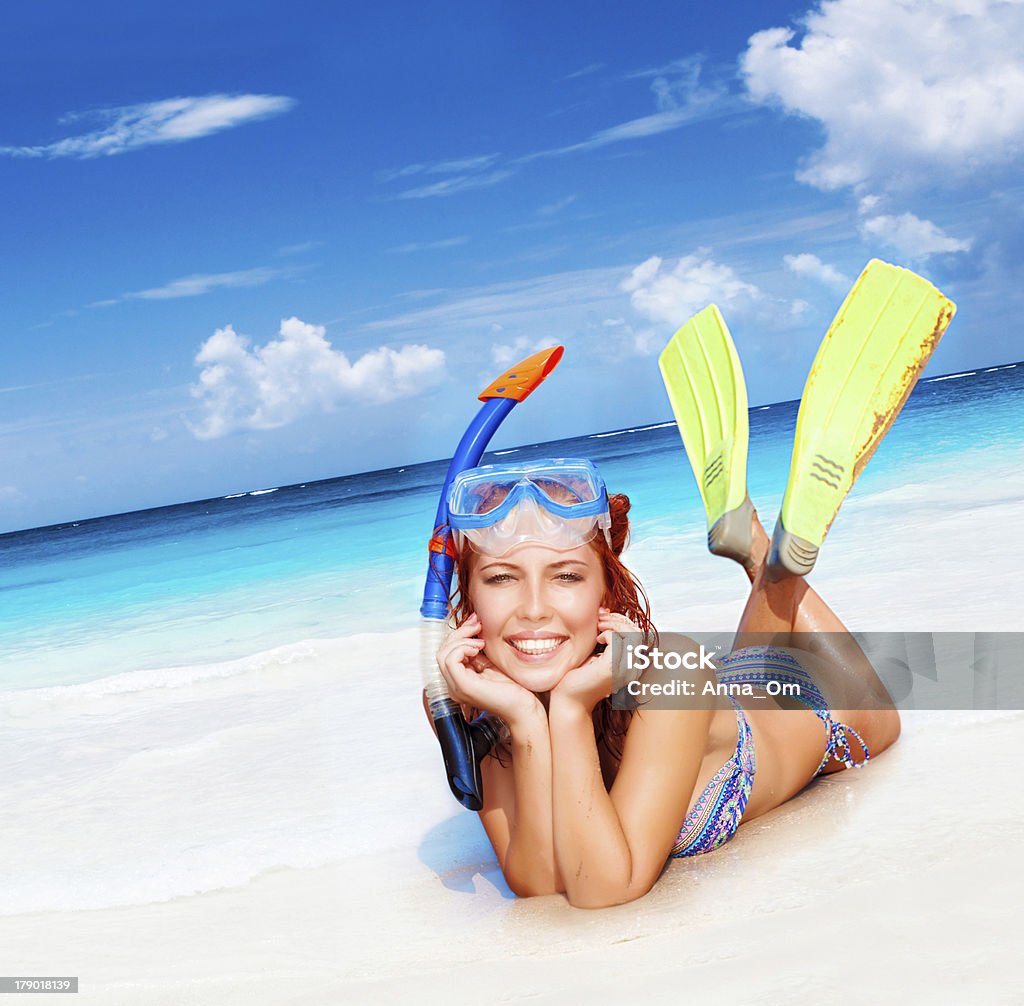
{"x":789,"y":613}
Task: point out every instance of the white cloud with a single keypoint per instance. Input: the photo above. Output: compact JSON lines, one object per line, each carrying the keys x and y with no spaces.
{"x":299,"y":372}
{"x":200,"y":283}
{"x":54,"y":383}
{"x":418,"y":246}
{"x":915,"y":238}
{"x":551,"y":209}
{"x":10,"y":493}
{"x":173,"y":120}
{"x":905,"y":91}
{"x":673,"y":295}
{"x":299,"y":249}
{"x":677,"y":84}
{"x":505,"y":354}
{"x":477,"y":163}
{"x":466,"y":173}
{"x":679,"y":98}
{"x":636,"y":129}
{"x":584,"y":71}
{"x":449,"y":167}
{"x":457,"y":183}
{"x":648,"y":341}
{"x":551,"y":302}
{"x":811,"y":267}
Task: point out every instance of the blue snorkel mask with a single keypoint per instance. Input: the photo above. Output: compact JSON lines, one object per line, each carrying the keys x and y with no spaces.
{"x":561,"y":503}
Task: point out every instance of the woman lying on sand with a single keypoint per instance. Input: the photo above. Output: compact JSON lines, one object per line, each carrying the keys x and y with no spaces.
{"x":590,"y":800}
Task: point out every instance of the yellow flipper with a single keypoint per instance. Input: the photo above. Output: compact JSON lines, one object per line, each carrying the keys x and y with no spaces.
{"x":869,"y":362}
{"x":704,"y":381}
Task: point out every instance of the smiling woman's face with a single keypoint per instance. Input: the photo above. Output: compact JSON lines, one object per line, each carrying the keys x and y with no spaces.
{"x":538,"y":611}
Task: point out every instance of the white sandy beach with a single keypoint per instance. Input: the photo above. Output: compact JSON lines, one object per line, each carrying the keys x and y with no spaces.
{"x":260,"y":835}
{"x":894,"y":885}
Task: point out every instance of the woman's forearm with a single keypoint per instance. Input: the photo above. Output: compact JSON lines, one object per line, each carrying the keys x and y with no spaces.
{"x":591,"y":849}
{"x":530,"y":866}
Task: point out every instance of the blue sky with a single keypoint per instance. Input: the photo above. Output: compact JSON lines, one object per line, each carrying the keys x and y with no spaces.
{"x":254,"y":244}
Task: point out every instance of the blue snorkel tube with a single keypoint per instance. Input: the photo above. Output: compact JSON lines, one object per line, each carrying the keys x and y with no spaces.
{"x":463,"y":745}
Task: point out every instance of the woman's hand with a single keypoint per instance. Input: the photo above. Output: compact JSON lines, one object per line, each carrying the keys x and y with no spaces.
{"x":591,"y":682}
{"x":473,"y":680}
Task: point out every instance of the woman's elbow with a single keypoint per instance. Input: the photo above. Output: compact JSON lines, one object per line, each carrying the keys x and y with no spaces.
{"x":606,"y":897}
{"x":529,"y":887}
{"x":524,"y":884}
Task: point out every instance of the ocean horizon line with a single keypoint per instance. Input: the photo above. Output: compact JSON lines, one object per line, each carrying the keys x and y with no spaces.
{"x":405,"y":466}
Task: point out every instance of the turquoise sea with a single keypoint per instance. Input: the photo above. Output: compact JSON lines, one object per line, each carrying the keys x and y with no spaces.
{"x":219,"y":579}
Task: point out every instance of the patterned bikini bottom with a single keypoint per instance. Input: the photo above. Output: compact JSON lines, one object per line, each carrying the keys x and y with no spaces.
{"x":716,"y":815}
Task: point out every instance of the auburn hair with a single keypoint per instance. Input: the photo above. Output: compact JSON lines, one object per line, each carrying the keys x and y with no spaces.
{"x":623,"y":594}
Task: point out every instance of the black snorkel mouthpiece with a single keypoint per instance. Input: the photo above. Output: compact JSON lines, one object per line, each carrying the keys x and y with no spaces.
{"x":463,"y":747}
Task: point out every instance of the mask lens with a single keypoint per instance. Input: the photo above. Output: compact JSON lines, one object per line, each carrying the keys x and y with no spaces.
{"x":528,"y":522}
{"x":482,"y":497}
{"x":565,"y":493}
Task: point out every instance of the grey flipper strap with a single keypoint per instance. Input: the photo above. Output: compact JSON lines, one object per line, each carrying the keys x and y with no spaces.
{"x":732,"y":534}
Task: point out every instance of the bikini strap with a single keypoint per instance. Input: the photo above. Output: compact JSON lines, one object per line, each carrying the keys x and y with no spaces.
{"x":838,"y":745}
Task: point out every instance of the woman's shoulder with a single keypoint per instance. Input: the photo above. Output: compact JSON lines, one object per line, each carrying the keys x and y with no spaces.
{"x":655,"y":735}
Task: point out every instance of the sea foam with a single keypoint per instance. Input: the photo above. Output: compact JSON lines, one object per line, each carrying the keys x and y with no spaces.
{"x":124,"y":792}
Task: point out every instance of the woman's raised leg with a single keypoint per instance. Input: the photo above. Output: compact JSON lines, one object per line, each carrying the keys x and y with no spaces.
{"x":789,"y":613}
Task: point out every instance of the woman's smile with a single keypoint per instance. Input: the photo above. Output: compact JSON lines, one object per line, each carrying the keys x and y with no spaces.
{"x":536,"y":648}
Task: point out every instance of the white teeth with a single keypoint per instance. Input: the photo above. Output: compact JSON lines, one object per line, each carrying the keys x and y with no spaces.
{"x":535,"y":645}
